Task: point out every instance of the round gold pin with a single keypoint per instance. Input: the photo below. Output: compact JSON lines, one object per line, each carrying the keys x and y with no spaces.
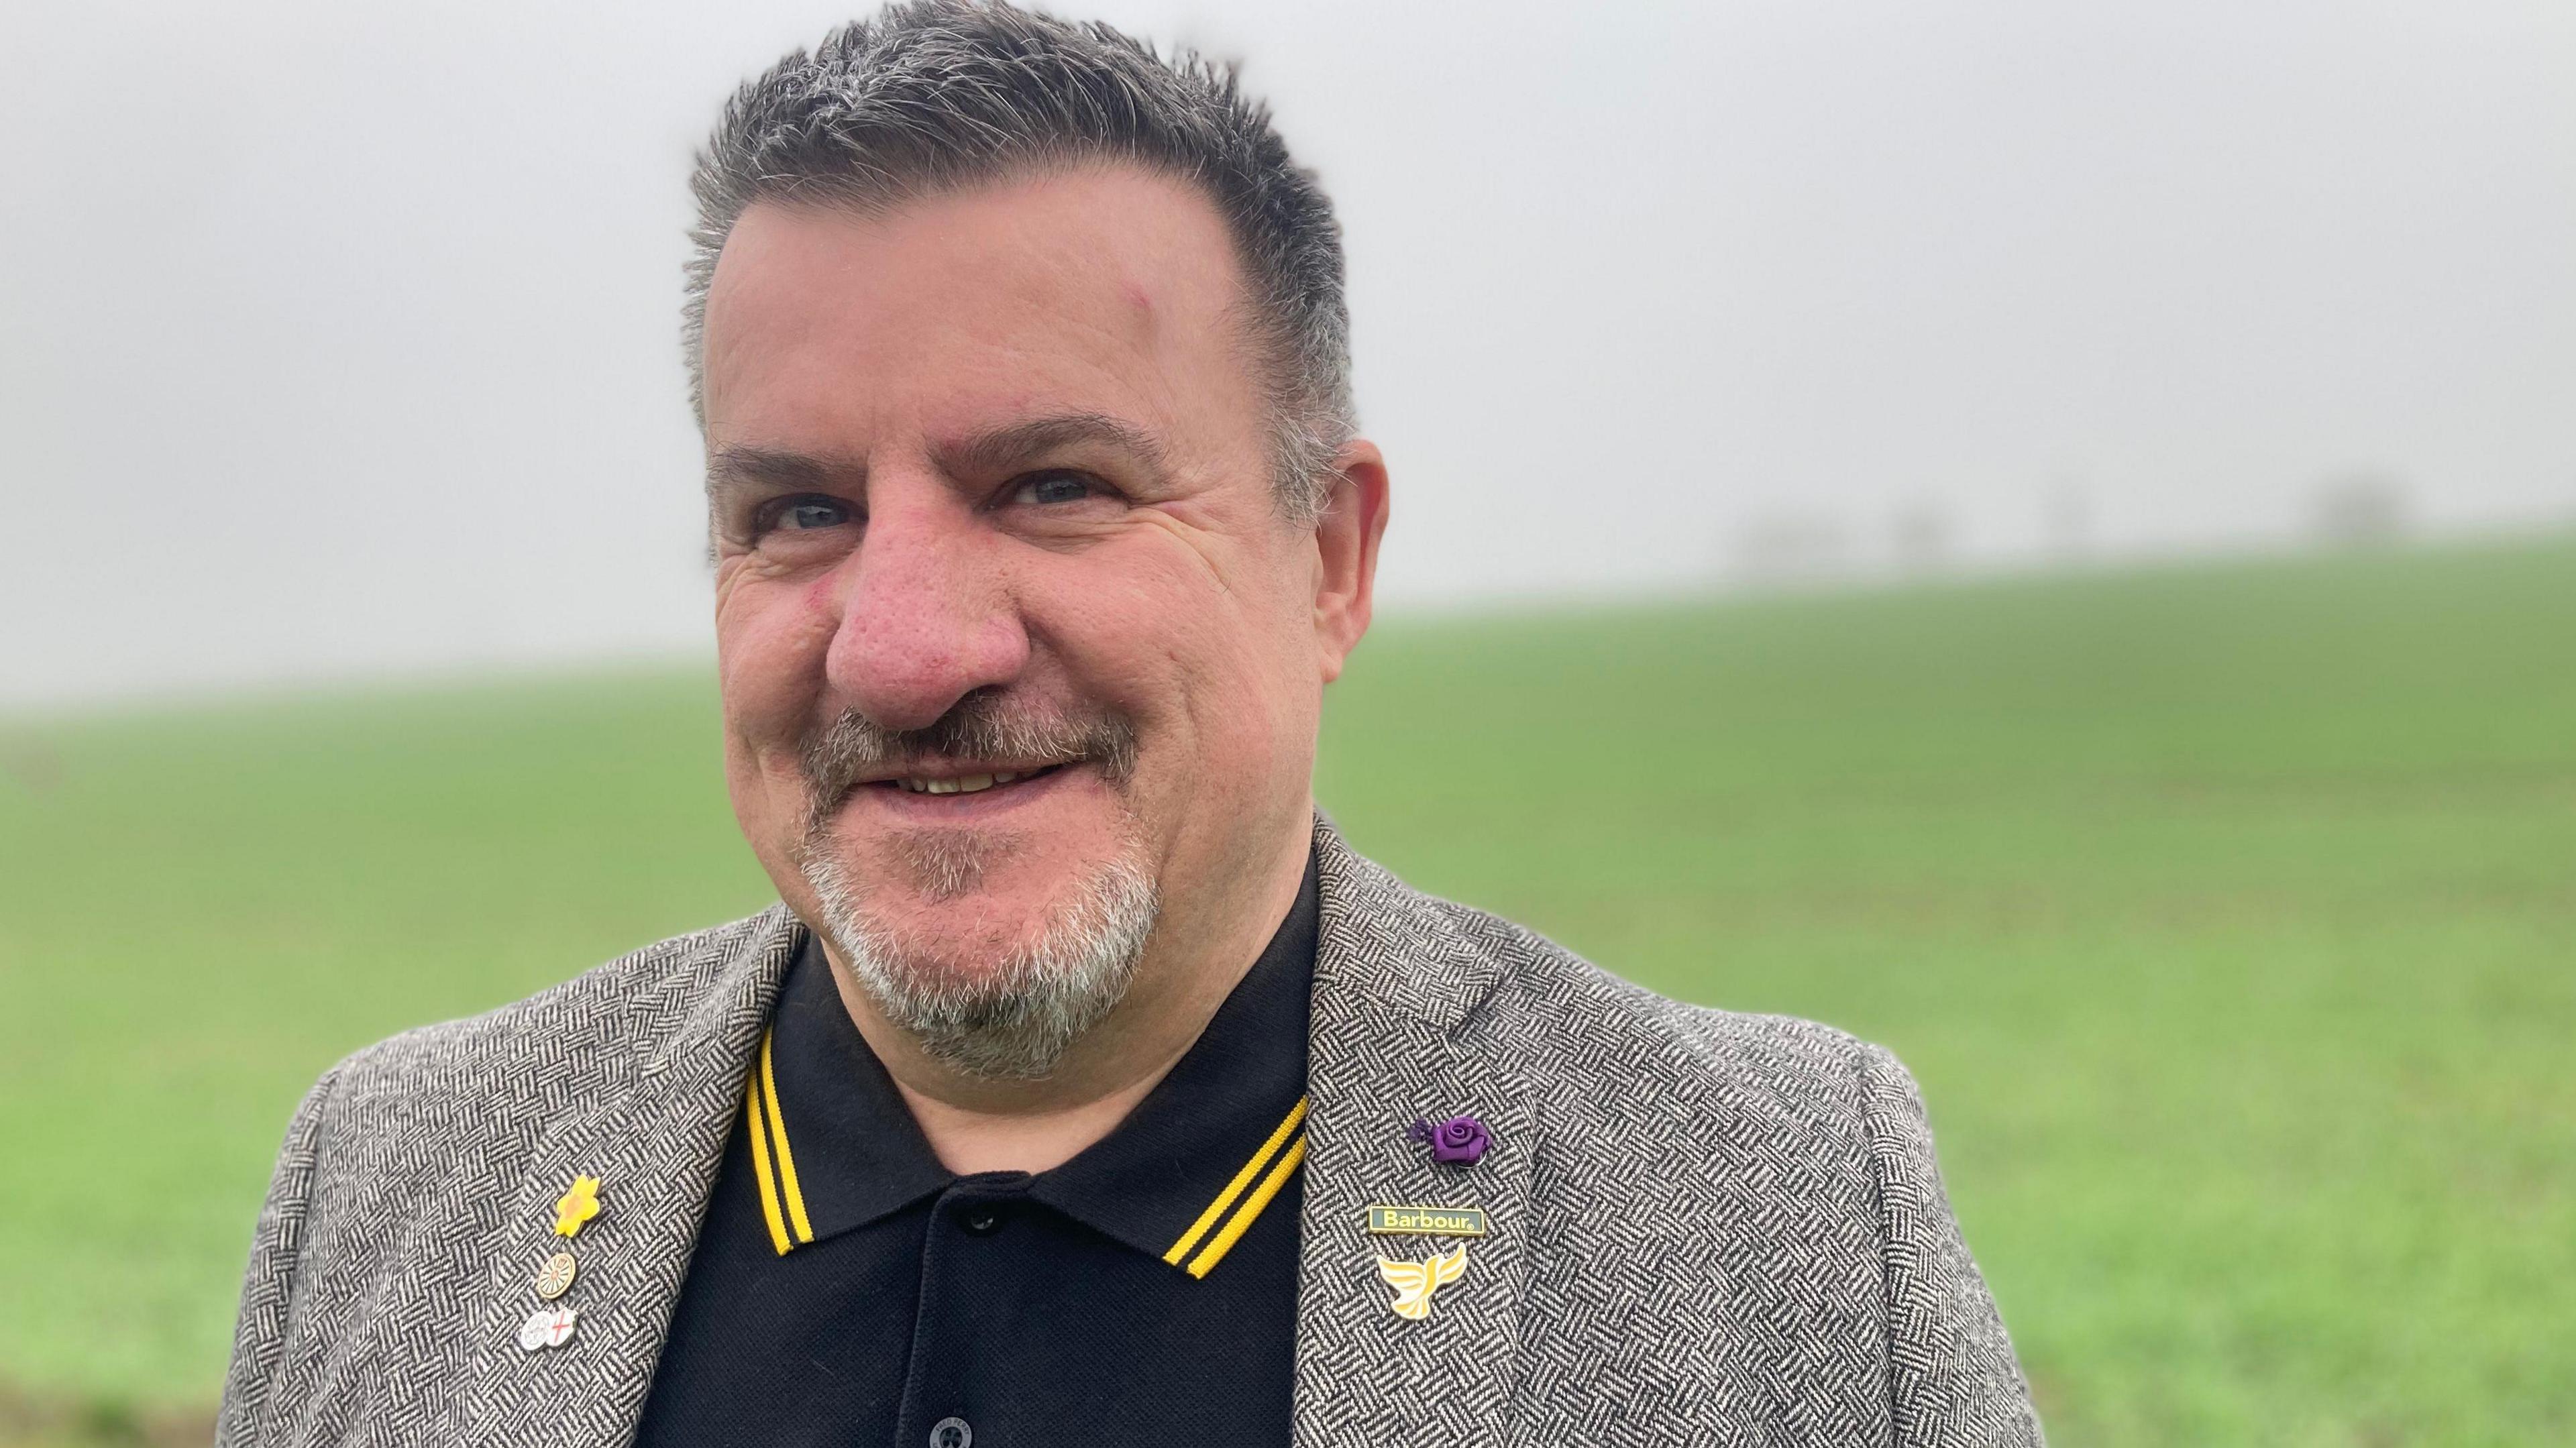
{"x":555,"y":1278}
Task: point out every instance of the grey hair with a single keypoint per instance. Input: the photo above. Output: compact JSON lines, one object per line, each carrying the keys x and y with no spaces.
{"x":933,"y":95}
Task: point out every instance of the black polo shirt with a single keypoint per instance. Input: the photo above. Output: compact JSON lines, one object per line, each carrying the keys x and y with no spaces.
{"x":847,"y":1289}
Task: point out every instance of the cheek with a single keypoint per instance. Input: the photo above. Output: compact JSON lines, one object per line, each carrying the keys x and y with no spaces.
{"x":771,"y":641}
{"x":1200,"y":657}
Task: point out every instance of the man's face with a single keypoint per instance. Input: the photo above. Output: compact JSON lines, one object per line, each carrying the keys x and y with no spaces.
{"x":991,"y":494}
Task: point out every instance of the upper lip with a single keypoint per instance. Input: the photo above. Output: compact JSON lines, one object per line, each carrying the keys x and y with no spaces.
{"x":957,"y":769}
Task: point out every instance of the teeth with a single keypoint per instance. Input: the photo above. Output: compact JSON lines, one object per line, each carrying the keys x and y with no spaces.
{"x":962,"y":784}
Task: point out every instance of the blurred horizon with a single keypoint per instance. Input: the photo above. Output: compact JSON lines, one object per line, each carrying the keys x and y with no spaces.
{"x":343,"y":341}
{"x":1789,"y":577}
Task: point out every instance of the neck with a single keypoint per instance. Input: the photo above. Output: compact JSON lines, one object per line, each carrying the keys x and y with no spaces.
{"x":1190,"y":966}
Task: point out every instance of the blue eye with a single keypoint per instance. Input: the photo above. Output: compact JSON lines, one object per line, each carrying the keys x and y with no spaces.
{"x":1049,"y":488}
{"x":810,"y":513}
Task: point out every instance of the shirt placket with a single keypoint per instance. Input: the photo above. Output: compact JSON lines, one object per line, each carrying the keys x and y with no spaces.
{"x":973,"y":1271}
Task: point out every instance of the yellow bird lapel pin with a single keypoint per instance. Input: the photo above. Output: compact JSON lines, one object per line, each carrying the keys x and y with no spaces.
{"x":1414,"y":1282}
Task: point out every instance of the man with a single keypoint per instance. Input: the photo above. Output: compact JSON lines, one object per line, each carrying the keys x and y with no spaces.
{"x":1085,"y":1086}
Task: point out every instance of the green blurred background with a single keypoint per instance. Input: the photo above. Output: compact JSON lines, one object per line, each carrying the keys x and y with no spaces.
{"x":2225,"y":912}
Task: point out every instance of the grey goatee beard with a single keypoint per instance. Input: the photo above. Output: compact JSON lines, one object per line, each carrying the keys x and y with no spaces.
{"x":1015,"y":1020}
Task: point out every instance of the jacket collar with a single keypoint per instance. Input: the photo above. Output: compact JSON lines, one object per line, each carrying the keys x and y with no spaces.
{"x":1393,"y":1037}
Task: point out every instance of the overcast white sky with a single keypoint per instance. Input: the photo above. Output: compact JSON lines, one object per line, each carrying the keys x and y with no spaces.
{"x":338,"y":338}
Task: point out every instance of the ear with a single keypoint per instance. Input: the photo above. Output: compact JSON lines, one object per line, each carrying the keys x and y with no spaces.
{"x":1346,"y":539}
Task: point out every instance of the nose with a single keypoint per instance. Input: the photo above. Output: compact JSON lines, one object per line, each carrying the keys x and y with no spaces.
{"x":925,"y":615}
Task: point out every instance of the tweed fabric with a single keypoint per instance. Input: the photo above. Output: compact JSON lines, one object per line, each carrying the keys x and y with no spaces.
{"x":1709,"y":1228}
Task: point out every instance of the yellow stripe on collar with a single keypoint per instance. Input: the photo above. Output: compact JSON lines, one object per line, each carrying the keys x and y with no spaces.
{"x":773,"y":1163}
{"x":786,"y":1158}
{"x":1233,"y":1189}
{"x":1252,"y":1205}
{"x":755,"y":1118}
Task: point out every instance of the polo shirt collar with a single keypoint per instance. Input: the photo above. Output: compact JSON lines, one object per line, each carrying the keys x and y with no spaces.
{"x":833,"y":1146}
{"x":1193,"y":1166}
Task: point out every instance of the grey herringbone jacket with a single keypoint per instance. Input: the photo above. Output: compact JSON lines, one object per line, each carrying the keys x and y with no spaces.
{"x":1707,"y":1228}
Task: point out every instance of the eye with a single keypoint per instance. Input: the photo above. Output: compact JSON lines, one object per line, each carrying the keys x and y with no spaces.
{"x":798,"y":515}
{"x":1056,"y":489}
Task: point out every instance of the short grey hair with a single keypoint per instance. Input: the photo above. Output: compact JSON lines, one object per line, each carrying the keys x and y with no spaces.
{"x":933,"y":95}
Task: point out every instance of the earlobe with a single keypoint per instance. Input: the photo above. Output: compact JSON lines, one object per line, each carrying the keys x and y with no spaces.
{"x":1346,"y":545}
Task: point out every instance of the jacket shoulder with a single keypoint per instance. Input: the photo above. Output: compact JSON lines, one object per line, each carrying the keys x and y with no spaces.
{"x":1585,"y":1031}
{"x":406,"y":1165}
{"x":1781,"y":1173}
{"x":556,"y":1042}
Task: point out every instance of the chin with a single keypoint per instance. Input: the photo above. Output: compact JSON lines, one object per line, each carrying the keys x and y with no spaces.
{"x":992,"y":955}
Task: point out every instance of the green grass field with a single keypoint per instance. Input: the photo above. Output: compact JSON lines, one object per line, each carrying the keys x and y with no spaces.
{"x":2227,"y":915}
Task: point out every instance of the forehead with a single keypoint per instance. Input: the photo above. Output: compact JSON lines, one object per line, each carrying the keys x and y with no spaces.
{"x":1110,"y":289}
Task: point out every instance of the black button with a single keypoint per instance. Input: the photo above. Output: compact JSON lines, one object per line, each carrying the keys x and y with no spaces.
{"x":982,"y":1220}
{"x":951,"y":1433}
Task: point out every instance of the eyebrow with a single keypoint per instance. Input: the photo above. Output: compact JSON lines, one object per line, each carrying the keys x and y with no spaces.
{"x":982,"y":454}
{"x":998,"y":450}
{"x":760,"y":469}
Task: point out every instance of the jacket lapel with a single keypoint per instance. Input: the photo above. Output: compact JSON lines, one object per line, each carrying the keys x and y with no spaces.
{"x":1392,"y":1040}
{"x":653,"y":1131}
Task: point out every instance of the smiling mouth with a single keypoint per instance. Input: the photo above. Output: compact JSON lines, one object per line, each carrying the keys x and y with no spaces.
{"x":966,"y":783}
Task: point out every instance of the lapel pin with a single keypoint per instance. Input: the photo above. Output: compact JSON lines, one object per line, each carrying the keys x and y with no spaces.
{"x":577,"y":1206}
{"x":1458,"y":1141}
{"x":552,"y":1327}
{"x":1414,"y":1282}
{"x":555,"y":1278}
{"x":1426,"y":1222}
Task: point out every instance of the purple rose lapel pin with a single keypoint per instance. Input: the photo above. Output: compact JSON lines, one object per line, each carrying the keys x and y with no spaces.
{"x":1458,"y":1141}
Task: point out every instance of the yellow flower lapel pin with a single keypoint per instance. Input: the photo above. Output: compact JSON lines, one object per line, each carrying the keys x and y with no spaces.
{"x":577,"y":1206}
